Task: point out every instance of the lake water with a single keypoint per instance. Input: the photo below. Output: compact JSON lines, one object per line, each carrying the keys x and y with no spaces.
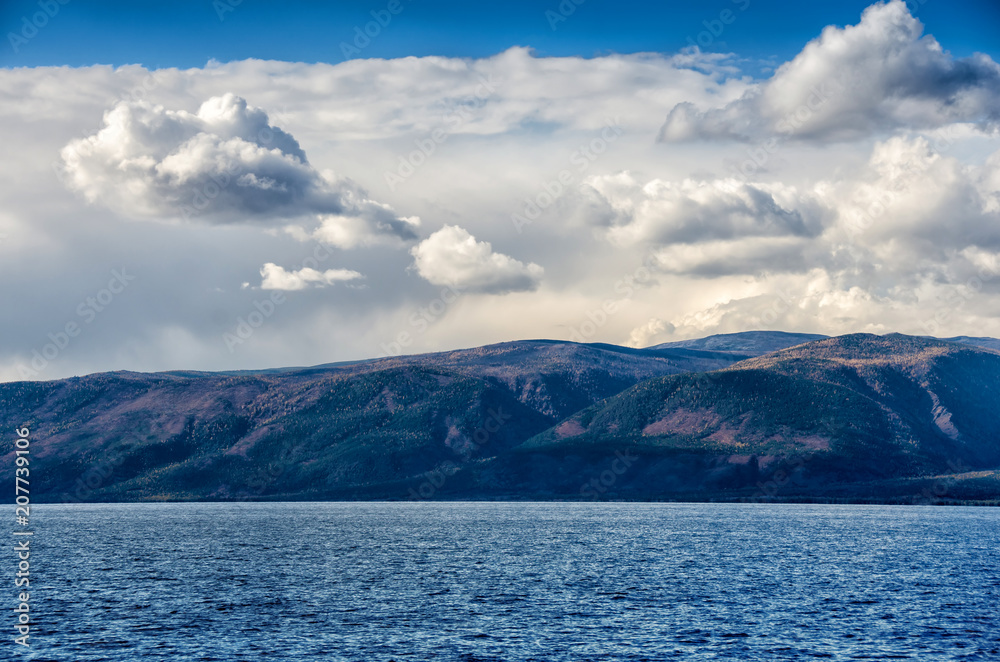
{"x":512,"y":581}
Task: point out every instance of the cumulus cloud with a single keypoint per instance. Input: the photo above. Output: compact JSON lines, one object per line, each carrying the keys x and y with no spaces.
{"x":908,"y":214}
{"x":651,"y":333}
{"x":911,"y":242}
{"x":816,"y":300}
{"x":224,"y":164}
{"x":708,"y":228}
{"x":916,"y":204}
{"x":878,"y":75}
{"x":693,"y":211}
{"x":276,"y":278}
{"x":377,"y":224}
{"x":451,"y":256}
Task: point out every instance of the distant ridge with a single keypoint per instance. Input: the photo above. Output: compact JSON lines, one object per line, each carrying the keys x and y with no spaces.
{"x":839,"y":414}
{"x":763,"y":342}
{"x":988,"y":343}
{"x":747,"y":342}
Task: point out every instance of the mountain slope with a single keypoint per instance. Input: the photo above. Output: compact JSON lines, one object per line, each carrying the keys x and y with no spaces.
{"x":559,"y":378}
{"x":328,"y":430}
{"x":848,"y":409}
{"x":833,"y":418}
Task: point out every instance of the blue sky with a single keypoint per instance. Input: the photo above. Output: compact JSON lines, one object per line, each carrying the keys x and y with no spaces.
{"x":188,"y":33}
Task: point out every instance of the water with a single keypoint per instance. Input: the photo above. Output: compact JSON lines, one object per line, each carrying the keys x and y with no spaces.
{"x":487,"y":581}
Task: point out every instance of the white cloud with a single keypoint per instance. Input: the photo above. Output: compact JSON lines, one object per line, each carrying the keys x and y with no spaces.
{"x":224,"y":164}
{"x":379,"y":226}
{"x":651,"y":333}
{"x":224,"y":159}
{"x":916,"y":204}
{"x":276,"y":278}
{"x":909,"y":213}
{"x":707,"y":228}
{"x":694,"y":211}
{"x":912,"y":244}
{"x":878,"y":75}
{"x":378,"y":99}
{"x":451,"y":256}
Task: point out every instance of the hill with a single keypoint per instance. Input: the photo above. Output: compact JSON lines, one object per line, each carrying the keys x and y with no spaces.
{"x":848,"y":410}
{"x":856,"y":417}
{"x":338,"y":430}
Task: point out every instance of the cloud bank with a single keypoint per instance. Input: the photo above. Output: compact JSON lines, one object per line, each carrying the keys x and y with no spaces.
{"x":881,"y":212}
{"x":879,"y":75}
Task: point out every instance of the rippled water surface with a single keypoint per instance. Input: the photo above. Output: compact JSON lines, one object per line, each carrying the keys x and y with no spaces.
{"x":502,"y":581}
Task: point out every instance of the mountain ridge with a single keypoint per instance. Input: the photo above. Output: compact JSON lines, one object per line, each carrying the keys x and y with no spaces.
{"x":531,"y":419}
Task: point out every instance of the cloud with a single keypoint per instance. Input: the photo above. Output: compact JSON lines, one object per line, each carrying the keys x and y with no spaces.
{"x":377,"y":224}
{"x":708,"y":228}
{"x":276,"y":278}
{"x":651,"y":333}
{"x":376,"y":99}
{"x":830,"y":239}
{"x":694,"y":211}
{"x":878,"y":75}
{"x":224,"y":164}
{"x":815,"y":300}
{"x":912,"y":243}
{"x":915,"y":204}
{"x":451,"y":256}
{"x":909,"y":213}
{"x":752,"y":255}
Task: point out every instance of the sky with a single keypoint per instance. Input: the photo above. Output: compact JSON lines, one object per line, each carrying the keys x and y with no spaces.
{"x":225,"y":185}
{"x":189,"y":33}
